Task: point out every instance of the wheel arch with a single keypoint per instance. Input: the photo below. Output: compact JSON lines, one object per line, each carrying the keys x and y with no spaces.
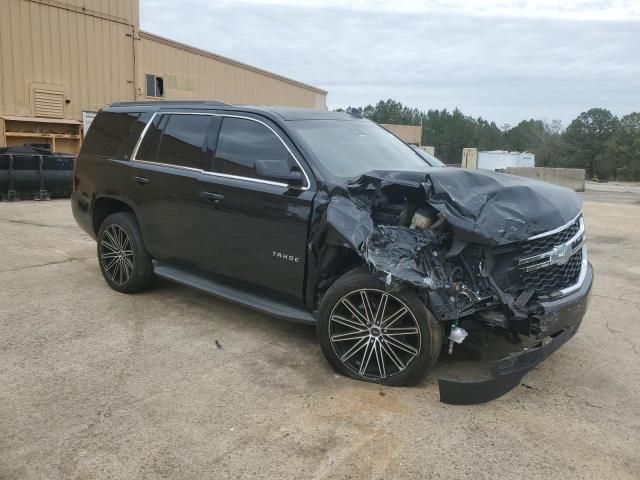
{"x":338,"y":261}
{"x":106,"y":205}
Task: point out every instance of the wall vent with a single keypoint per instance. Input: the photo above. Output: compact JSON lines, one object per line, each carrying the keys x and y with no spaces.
{"x":48,"y":102}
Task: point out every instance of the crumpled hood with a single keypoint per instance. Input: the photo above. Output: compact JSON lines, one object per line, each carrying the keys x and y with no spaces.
{"x":488,"y":207}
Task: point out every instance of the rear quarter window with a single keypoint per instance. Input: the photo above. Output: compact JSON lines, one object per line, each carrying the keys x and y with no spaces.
{"x":109,"y":132}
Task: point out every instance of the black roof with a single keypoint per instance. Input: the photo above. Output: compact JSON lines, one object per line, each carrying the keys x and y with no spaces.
{"x":283,"y":113}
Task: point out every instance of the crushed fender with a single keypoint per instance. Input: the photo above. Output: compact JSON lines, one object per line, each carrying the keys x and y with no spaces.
{"x":453,"y":235}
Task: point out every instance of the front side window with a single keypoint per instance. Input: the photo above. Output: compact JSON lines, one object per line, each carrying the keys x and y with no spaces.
{"x":244,"y":142}
{"x":183,"y":140}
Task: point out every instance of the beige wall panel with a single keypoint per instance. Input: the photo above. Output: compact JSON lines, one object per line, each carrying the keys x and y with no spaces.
{"x":90,"y":57}
{"x":192,"y":75}
{"x":408,"y":133}
{"x":124,"y":11}
{"x":66,"y":145}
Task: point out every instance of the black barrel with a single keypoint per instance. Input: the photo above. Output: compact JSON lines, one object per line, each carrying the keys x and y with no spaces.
{"x":57,"y":170}
{"x":5,"y":176}
{"x":27,"y":175}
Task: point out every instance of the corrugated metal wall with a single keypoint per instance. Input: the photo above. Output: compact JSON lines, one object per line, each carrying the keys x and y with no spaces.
{"x":124,"y":10}
{"x":88,"y":57}
{"x":189,"y":73}
{"x":59,"y":59}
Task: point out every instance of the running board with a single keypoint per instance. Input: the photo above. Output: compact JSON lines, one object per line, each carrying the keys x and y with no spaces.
{"x":255,"y":301}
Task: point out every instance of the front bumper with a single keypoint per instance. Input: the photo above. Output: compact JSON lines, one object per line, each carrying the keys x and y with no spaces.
{"x":558,"y":322}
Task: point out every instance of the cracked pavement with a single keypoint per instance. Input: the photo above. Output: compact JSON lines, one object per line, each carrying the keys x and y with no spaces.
{"x":175,"y":384}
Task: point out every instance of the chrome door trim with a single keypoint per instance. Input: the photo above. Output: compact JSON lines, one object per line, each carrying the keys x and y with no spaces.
{"x":216,"y":174}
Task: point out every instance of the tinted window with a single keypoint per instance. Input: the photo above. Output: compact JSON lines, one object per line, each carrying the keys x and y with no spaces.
{"x":242,"y":142}
{"x":149,"y":146}
{"x":430,"y":159}
{"x":129,"y":142}
{"x":183,"y":140}
{"x":349,"y":148}
{"x":107,"y":132}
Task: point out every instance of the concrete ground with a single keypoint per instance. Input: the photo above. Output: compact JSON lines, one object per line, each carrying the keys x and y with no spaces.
{"x":612,"y":192}
{"x":96,"y":384}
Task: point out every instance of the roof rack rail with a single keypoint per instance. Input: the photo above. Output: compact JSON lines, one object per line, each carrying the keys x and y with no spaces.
{"x":170,"y":102}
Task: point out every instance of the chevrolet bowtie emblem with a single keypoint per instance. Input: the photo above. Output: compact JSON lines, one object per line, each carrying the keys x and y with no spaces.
{"x":560,"y":254}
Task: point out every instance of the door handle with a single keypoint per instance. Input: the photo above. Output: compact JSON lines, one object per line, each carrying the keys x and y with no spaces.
{"x":212,"y":197}
{"x":141,"y":180}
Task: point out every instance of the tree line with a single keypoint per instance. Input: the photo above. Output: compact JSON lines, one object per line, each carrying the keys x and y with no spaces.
{"x":606,"y":146}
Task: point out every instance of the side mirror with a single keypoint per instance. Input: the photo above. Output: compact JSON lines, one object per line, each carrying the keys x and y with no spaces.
{"x":280,"y":171}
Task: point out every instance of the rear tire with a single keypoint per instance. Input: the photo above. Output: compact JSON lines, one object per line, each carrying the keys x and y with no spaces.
{"x":123,"y":258}
{"x":372,"y":335}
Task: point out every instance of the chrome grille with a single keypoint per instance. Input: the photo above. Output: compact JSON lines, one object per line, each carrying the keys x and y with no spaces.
{"x":546,"y":243}
{"x":554,"y":262}
{"x":555,"y":277}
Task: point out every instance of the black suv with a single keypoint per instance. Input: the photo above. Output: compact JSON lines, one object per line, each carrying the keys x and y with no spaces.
{"x":326,"y":218}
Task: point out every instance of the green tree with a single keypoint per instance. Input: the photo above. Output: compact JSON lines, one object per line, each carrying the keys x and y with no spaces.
{"x":390,"y":111}
{"x":587,"y":139}
{"x":528,"y":135}
{"x":552,"y":151}
{"x":490,"y":137}
{"x":449,"y":133}
{"x":624,"y":147}
{"x":596,"y":140}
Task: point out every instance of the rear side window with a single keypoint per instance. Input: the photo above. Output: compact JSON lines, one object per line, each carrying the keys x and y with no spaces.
{"x":128,"y":144}
{"x":242,"y":142}
{"x":149,"y":146}
{"x":183,"y":140}
{"x":107,"y":132}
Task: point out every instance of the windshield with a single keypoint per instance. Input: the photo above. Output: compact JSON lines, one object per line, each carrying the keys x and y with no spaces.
{"x":430,"y":159}
{"x":349,"y":148}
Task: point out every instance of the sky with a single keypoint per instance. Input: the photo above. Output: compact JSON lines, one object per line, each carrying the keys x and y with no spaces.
{"x":503,"y":60}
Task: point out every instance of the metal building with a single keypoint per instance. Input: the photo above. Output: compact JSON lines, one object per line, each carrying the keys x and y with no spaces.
{"x":407,"y":133}
{"x":61,"y":61}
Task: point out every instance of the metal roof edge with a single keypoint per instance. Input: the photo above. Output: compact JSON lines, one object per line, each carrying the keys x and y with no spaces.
{"x":215,"y":56}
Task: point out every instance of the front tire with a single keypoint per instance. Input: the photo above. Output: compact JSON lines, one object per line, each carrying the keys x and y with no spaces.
{"x":123,"y":258}
{"x":372,"y":335}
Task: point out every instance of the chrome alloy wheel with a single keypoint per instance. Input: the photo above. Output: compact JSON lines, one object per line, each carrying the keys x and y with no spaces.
{"x":116,"y":254}
{"x":374,"y":333}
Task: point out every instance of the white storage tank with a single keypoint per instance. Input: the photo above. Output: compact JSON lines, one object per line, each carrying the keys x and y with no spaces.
{"x":501,"y":159}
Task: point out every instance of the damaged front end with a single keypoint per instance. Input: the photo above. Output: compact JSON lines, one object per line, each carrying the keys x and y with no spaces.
{"x":488,"y":253}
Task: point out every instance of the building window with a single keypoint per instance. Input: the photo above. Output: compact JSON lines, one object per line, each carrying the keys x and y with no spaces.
{"x":155,"y":86}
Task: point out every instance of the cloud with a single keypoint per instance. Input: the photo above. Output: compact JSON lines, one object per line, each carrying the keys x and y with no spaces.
{"x":488,"y":63}
{"x":567,"y":9}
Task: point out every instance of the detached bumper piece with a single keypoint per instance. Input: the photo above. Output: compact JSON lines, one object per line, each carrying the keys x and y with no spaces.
{"x":565,"y":313}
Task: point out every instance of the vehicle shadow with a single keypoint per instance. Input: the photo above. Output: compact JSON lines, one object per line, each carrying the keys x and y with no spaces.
{"x":468,"y":362}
